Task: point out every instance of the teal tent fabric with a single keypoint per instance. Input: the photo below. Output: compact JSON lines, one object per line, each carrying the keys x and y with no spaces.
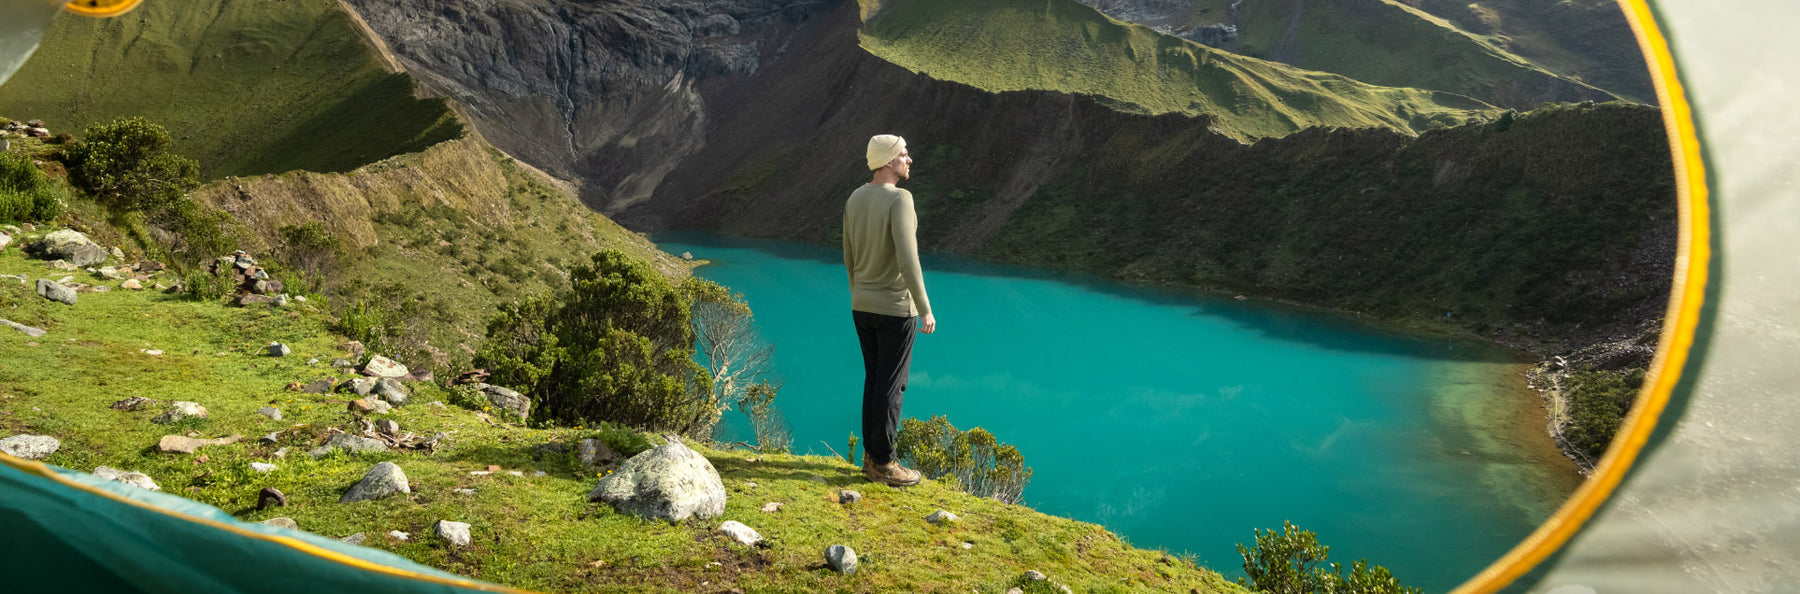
{"x":60,"y":538}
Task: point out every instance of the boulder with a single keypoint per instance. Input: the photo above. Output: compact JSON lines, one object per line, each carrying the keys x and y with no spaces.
{"x":382,"y":480}
{"x":28,"y":330}
{"x":841,"y":559}
{"x":670,"y":482}
{"x":135,"y":479}
{"x":507,"y":400}
{"x":69,"y":246}
{"x":941,"y":517}
{"x":456,"y":533}
{"x":379,"y":366}
{"x":353,"y":443}
{"x":745,"y":535}
{"x":594,"y":452}
{"x":29,"y":447}
{"x":55,"y":291}
{"x":179,"y":411}
{"x":177,"y":444}
{"x":270,"y":412}
{"x":282,"y":523}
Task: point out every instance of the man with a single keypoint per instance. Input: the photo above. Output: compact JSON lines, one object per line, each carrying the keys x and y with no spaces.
{"x":887,"y":299}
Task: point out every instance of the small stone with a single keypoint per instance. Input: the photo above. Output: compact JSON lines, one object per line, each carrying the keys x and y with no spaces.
{"x":388,"y":426}
{"x":390,"y":390}
{"x":177,"y":444}
{"x":312,"y":361}
{"x":817,"y":479}
{"x":463,"y":491}
{"x":479,"y":473}
{"x":362,"y":406}
{"x":283,"y":522}
{"x":281,"y":453}
{"x":280,"y":301}
{"x":749,"y":484}
{"x":55,"y":291}
{"x":249,"y":299}
{"x":28,"y":330}
{"x":132,"y":285}
{"x":30,"y":447}
{"x":118,"y":254}
{"x":300,"y":298}
{"x":847,"y":496}
{"x":154,"y":352}
{"x":319,"y":387}
{"x":61,"y":265}
{"x":457,"y":533}
{"x":966,"y":545}
{"x":362,"y":386}
{"x":1015,"y":590}
{"x":111,"y":273}
{"x":841,"y":559}
{"x":271,"y":412}
{"x":352,"y":443}
{"x":277,"y":349}
{"x":540,"y":473}
{"x":355,"y":539}
{"x":1034,"y":575}
{"x":384,"y":479}
{"x":148,"y":266}
{"x":179,"y":411}
{"x":772,"y":507}
{"x":272,"y":437}
{"x":135,"y":479}
{"x":745,"y":535}
{"x":941,"y":517}
{"x":398,"y":535}
{"x":593,"y":452}
{"x":516,"y":472}
{"x":380,"y":366}
{"x":131,"y":403}
{"x":262,"y":467}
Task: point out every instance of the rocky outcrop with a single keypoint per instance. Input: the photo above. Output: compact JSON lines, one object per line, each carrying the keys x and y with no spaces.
{"x":670,"y":482}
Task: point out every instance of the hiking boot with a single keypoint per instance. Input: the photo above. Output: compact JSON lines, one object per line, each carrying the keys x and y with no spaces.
{"x":891,"y":474}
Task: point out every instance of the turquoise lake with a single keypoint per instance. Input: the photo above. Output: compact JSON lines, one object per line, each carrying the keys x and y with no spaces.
{"x":1182,"y":422}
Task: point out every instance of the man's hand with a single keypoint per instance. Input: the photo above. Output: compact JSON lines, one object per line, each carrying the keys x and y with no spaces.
{"x":927,"y":324}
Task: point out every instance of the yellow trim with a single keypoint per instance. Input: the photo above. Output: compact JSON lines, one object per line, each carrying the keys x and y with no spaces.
{"x":1692,"y":253}
{"x":39,"y":469}
{"x":101,"y":8}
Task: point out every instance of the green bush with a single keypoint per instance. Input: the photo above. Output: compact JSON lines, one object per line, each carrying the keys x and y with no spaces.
{"x":206,"y":286}
{"x":1598,"y":401}
{"x":26,"y":194}
{"x":1293,"y":562}
{"x":126,"y":166}
{"x":614,"y":347}
{"x":310,"y":249}
{"x":978,"y":463}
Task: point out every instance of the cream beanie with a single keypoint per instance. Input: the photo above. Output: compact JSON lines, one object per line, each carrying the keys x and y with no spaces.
{"x":883,"y":148}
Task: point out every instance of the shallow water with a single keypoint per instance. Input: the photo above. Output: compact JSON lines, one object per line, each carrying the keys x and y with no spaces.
{"x":1183,"y":422}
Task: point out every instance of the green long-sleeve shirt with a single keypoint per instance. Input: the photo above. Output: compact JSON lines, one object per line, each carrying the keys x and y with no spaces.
{"x":881,"y":252}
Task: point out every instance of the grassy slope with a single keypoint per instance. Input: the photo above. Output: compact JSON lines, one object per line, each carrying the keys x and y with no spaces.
{"x":1388,"y":43}
{"x":246,"y":88}
{"x":1586,"y":40}
{"x":1064,"y":46}
{"x":530,"y":531}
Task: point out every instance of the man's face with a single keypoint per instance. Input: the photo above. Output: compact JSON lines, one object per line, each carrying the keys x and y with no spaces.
{"x":903,"y":164}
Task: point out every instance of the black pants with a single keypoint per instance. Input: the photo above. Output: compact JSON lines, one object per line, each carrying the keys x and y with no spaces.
{"x":887,"y":356}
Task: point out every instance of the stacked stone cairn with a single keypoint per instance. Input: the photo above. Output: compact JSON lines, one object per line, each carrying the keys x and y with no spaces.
{"x":252,"y":284}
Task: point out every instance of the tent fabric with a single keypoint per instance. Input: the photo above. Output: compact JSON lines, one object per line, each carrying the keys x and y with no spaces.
{"x":74,"y":532}
{"x":1714,"y":506}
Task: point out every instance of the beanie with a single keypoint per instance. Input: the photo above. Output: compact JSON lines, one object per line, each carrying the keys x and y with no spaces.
{"x":883,"y":148}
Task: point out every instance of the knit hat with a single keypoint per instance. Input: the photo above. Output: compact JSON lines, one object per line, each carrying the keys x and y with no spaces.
{"x":883,"y":148}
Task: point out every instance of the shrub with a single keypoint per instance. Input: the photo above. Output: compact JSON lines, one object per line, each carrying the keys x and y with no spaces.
{"x":310,"y":249}
{"x":978,"y":463}
{"x":126,"y":166}
{"x":615,"y":347}
{"x":205,"y":286}
{"x":26,"y":194}
{"x":1598,"y":401}
{"x":1293,"y":562}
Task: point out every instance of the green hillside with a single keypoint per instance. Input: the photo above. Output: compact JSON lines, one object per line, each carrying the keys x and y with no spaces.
{"x":1064,"y":46}
{"x":1584,"y":40}
{"x":1385,"y":42}
{"x":246,"y":88}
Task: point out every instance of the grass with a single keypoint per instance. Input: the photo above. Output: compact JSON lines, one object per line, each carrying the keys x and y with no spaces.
{"x":1064,"y":46}
{"x":245,"y":88}
{"x":530,"y":531}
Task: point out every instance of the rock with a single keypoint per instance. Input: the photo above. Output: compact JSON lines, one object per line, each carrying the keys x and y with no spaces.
{"x":1034,"y":575}
{"x":131,"y":403}
{"x":273,"y":437}
{"x":249,"y":299}
{"x":745,"y":535}
{"x":62,"y":265}
{"x":1015,"y":590}
{"x":382,"y":480}
{"x":177,"y":444}
{"x":5,"y":240}
{"x":380,"y":408}
{"x":390,"y":390}
{"x":312,"y":361}
{"x":261,"y":467}
{"x":343,"y":363}
{"x":279,"y":302}
{"x":594,"y":452}
{"x":506,"y":399}
{"x":29,"y":447}
{"x":356,"y":349}
{"x":55,"y":291}
{"x":847,"y":496}
{"x":772,"y":507}
{"x":687,"y":256}
{"x":841,"y":559}
{"x":277,"y":349}
{"x":362,"y":406}
{"x":132,"y":285}
{"x":270,"y":412}
{"x":69,"y":246}
{"x":457,"y":533}
{"x":463,"y":491}
{"x":135,"y":479}
{"x":941,"y":517}
{"x":319,"y":387}
{"x":361,"y":386}
{"x":379,"y":366}
{"x":281,"y":523}
{"x":149,"y":266}
{"x":281,"y":453}
{"x":353,"y":443}
{"x":266,"y":287}
{"x":355,"y":539}
{"x":179,"y":411}
{"x":398,"y":535}
{"x":28,"y":330}
{"x":111,"y":273}
{"x":153,"y":352}
{"x":670,"y":482}
{"x":118,"y":254}
{"x":749,"y":484}
{"x":966,"y":545}
{"x":388,"y":426}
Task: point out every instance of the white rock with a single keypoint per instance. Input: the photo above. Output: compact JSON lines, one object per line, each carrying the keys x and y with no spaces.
{"x":455,"y":532}
{"x":262,"y":467}
{"x":284,"y":522}
{"x":398,"y":535}
{"x":384,"y":479}
{"x":181,"y":410}
{"x":669,"y":482}
{"x":941,"y":517}
{"x":772,"y":507}
{"x":135,"y":479}
{"x":29,"y":447}
{"x":745,"y":535}
{"x":842,"y":559}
